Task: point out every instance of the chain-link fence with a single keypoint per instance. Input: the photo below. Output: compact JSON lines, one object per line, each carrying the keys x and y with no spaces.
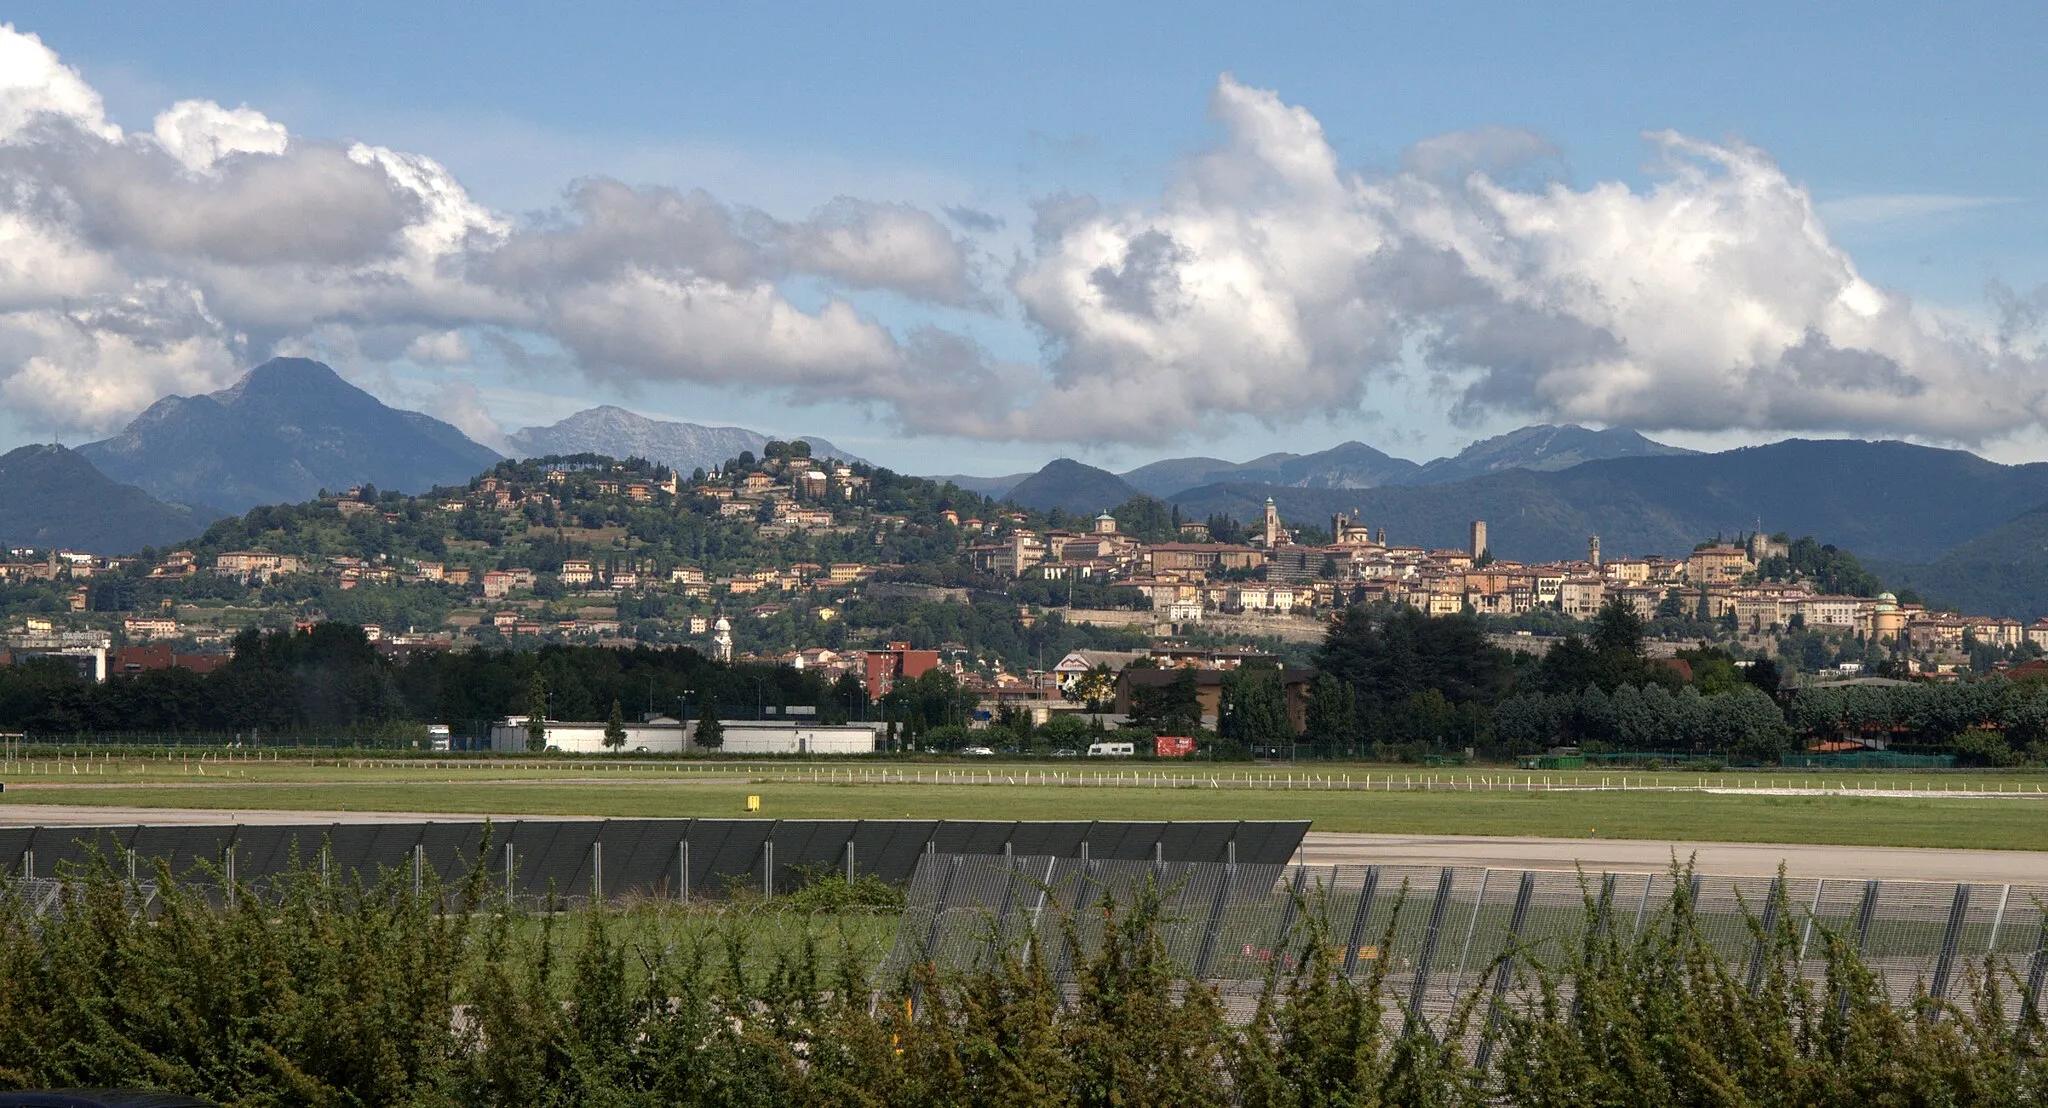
{"x":1440,"y":934}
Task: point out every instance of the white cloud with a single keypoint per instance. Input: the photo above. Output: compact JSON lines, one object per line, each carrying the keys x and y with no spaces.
{"x":1270,"y":281}
{"x":281,"y":243}
{"x":1851,"y":211}
{"x":199,"y":133}
{"x":1266,"y":281}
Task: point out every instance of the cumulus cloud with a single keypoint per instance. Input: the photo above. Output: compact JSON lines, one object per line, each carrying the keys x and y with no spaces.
{"x":278,"y":243}
{"x":1270,"y":281}
{"x":1266,"y":280}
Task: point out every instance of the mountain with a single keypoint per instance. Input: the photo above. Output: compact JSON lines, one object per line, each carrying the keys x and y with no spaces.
{"x":286,"y":430}
{"x":618,"y":433}
{"x":50,"y":496}
{"x":2001,"y":572}
{"x":986,"y":486}
{"x":1350,"y":465}
{"x":1072,"y":487}
{"x":1888,"y":501}
{"x":1543,"y":447}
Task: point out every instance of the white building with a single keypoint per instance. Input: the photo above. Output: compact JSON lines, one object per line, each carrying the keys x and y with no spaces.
{"x":665,"y":736}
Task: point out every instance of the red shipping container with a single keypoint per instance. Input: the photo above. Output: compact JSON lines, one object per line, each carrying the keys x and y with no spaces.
{"x":1173,"y":746}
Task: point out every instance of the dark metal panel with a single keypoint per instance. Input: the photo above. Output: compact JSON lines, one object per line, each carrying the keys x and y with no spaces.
{"x":1054,"y":838}
{"x":727,"y":852}
{"x":1125,"y":841}
{"x":560,"y":862}
{"x":889,"y":849}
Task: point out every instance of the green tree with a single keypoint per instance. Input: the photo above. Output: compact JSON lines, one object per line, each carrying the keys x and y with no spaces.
{"x":615,"y":728}
{"x":1174,"y":708}
{"x":710,"y":732}
{"x":1254,"y":709}
{"x":536,"y":714}
{"x":1332,"y":712}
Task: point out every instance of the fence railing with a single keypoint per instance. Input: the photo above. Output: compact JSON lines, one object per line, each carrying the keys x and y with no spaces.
{"x":1437,"y":931}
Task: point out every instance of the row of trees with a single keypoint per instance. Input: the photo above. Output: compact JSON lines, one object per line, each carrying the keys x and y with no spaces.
{"x":330,"y":681}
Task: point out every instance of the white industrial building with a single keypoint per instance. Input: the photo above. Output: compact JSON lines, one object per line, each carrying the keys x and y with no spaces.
{"x":666,"y":736}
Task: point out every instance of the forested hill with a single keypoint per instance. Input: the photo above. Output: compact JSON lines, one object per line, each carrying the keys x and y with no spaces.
{"x":53,"y":497}
{"x":1887,"y":500}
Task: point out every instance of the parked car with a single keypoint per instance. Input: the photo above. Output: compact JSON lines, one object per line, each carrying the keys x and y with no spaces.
{"x":978,"y":752}
{"x":1063,"y":752}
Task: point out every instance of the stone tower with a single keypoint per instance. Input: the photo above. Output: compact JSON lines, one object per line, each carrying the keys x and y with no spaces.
{"x":1478,"y":537}
{"x":1273,"y":532}
{"x":1593,"y":550}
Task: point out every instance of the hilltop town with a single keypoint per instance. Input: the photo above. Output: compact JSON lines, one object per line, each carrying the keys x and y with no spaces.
{"x":812,"y":562}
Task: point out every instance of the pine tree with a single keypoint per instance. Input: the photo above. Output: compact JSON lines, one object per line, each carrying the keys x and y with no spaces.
{"x":615,"y":728}
{"x":710,"y":732}
{"x":536,"y":714}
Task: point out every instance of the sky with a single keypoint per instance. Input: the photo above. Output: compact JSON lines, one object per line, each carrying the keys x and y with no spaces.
{"x":968,"y":241}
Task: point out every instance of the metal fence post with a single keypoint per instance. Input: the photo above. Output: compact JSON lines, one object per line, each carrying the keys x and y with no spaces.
{"x":510,"y":873}
{"x":1763,"y":939}
{"x":2037,"y":971}
{"x":419,"y":868}
{"x":683,"y":867}
{"x":1865,"y":912}
{"x":1951,"y":938}
{"x":1429,"y":940}
{"x":1602,"y":910}
{"x":1358,"y":918}
{"x":1524,"y":893}
{"x":597,"y":872}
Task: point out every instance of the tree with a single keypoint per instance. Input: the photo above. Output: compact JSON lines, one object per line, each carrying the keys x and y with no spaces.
{"x":710,"y":732}
{"x":1332,"y":712}
{"x":1254,"y":709}
{"x":1172,"y":708}
{"x":536,"y":714}
{"x":615,"y":728}
{"x":1093,"y":687}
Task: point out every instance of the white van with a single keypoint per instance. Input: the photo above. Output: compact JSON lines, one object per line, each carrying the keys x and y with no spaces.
{"x":1111,"y":750}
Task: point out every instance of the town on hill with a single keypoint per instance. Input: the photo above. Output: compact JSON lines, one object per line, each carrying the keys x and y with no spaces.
{"x":858,"y":578}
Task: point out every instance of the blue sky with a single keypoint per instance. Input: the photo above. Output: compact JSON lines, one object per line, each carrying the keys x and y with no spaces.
{"x":1912,"y":130}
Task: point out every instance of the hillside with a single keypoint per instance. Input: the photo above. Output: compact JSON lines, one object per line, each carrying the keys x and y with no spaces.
{"x":53,"y":497}
{"x":1072,"y":487}
{"x":1544,"y":447}
{"x":618,"y":433}
{"x":1889,"y":501}
{"x":2001,"y":572}
{"x":288,"y":429}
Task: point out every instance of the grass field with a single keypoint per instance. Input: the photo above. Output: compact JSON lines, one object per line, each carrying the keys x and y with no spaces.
{"x":1456,"y":802}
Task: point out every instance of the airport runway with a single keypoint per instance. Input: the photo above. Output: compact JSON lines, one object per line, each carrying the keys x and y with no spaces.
{"x":2025,"y":867}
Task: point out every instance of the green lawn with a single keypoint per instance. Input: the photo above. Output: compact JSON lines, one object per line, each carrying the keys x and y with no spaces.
{"x":1860,"y":821}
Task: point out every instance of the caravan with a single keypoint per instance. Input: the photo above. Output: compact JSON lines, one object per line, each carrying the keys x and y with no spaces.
{"x":1111,"y":750}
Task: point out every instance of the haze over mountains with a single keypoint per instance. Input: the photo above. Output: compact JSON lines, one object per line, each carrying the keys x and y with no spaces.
{"x":620,"y":434}
{"x":286,"y":430}
{"x":1352,"y":465}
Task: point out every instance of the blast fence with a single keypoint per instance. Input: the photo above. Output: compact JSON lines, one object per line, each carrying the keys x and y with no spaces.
{"x":620,"y":859}
{"x":1440,"y":933}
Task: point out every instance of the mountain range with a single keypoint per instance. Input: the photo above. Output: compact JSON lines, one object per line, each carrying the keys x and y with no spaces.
{"x":619,"y":433}
{"x":286,"y":430}
{"x":50,"y":496}
{"x":1353,"y":465}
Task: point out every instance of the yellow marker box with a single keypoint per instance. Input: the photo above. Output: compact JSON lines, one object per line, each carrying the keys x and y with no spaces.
{"x":753,"y":804}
